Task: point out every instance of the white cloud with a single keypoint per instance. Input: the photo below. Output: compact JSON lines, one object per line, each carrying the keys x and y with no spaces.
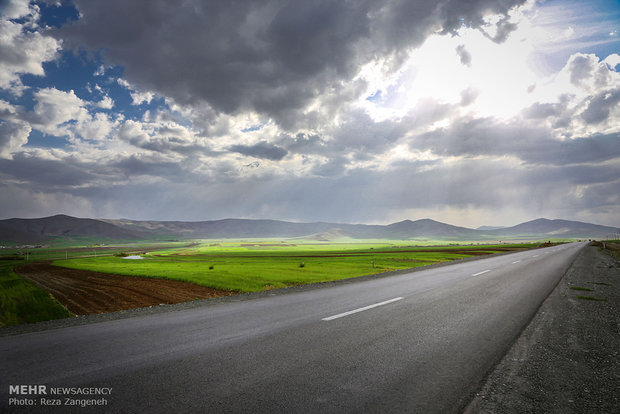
{"x":98,"y":127}
{"x":100,"y":71}
{"x":106,"y":103}
{"x":55,"y":110}
{"x":22,"y":51}
{"x":138,"y":97}
{"x":612,"y":60}
{"x":13,"y":135}
{"x":13,"y":9}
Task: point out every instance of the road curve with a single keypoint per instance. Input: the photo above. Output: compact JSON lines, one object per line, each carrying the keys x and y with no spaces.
{"x":417,"y":342}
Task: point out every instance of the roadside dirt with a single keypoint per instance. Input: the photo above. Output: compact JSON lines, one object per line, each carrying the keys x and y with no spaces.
{"x":567,"y":360}
{"x":85,"y":292}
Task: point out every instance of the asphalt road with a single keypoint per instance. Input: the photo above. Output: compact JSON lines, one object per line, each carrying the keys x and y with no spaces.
{"x":417,"y":342}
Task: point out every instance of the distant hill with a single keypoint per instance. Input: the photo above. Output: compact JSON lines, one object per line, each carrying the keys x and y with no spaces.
{"x":558,"y":229}
{"x":62,"y":227}
{"x":428,"y":228}
{"x":490,"y":227}
{"x":333,"y":234}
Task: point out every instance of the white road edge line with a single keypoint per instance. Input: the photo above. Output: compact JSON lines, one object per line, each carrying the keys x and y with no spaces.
{"x":340,"y":315}
{"x":535,"y":255}
{"x":481,"y":273}
{"x":516,"y":261}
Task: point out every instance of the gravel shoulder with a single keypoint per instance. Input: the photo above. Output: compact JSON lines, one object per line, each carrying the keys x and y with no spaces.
{"x":567,"y":359}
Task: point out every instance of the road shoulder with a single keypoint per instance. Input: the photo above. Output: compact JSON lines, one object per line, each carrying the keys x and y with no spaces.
{"x":567,"y":359}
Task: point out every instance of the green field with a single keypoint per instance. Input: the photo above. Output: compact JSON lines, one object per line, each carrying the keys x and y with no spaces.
{"x":237,"y":265}
{"x":250,"y":266}
{"x":23,"y":302}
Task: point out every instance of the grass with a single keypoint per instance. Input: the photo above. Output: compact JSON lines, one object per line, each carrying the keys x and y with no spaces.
{"x":240,"y":265}
{"x":24,"y":302}
{"x":591,"y":298}
{"x":582,"y":288}
{"x":249,"y":266}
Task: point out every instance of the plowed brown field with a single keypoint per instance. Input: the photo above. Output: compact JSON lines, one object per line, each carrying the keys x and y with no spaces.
{"x":84,"y":292}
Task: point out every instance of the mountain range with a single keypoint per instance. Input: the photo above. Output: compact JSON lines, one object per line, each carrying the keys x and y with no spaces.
{"x":62,"y":227}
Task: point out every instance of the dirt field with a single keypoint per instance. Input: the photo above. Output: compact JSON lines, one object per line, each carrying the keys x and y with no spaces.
{"x":85,"y":292}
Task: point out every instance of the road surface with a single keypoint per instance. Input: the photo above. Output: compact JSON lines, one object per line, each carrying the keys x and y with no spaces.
{"x":416,"y":342}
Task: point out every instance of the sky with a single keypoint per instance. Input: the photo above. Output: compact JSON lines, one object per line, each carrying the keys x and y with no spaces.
{"x":477,"y":112}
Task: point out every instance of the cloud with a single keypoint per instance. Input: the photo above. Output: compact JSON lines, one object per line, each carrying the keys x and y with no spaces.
{"x":587,"y":71}
{"x":13,"y":132}
{"x":540,"y":110}
{"x":260,"y":150}
{"x":137,"y":165}
{"x":463,"y":55}
{"x":22,"y":50}
{"x":12,"y":137}
{"x":164,"y":137}
{"x":15,"y":9}
{"x":55,"y":110}
{"x":46,"y":174}
{"x":274,"y":58}
{"x":262,"y":111}
{"x":468,"y":96}
{"x":580,"y":100}
{"x":503,"y":28}
{"x":137,"y":97}
{"x":29,"y":203}
{"x":600,"y":106}
{"x":64,"y":114}
{"x":531,"y":144}
{"x":105,"y":103}
{"x":612,"y":60}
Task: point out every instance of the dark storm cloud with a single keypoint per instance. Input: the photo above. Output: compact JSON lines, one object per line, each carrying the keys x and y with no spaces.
{"x":74,"y":176}
{"x":170,"y":145}
{"x":531,"y":144}
{"x":361,"y":135}
{"x":44,"y":173}
{"x":147,"y":165}
{"x":303,"y":143}
{"x":261,"y":150}
{"x":270,"y":56}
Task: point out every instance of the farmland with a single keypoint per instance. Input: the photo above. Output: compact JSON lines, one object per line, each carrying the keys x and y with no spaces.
{"x":24,"y":302}
{"x":254,"y":266}
{"x":218,"y":267}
